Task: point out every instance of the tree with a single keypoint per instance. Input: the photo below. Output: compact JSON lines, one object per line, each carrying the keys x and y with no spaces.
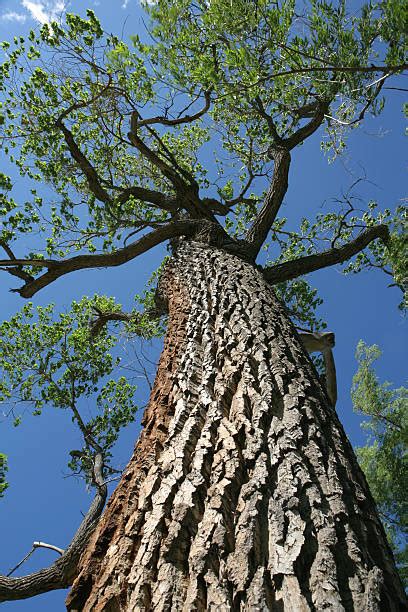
{"x":3,"y":470}
{"x":384,"y":458}
{"x":243,"y":491}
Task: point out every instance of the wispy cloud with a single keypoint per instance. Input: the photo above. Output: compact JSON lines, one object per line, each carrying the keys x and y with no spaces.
{"x":125,"y":3}
{"x":44,"y":12}
{"x":13,"y":16}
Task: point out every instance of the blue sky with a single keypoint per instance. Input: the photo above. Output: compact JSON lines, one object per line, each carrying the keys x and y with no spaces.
{"x":42,"y":503}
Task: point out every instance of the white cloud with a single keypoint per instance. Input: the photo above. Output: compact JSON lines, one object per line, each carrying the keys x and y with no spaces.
{"x":44,"y":12}
{"x":13,"y":16}
{"x":125,"y":3}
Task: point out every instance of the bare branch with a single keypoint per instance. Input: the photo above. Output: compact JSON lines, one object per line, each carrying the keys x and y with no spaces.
{"x":23,"y":560}
{"x":311,"y":263}
{"x":57,"y":549}
{"x":258,"y":232}
{"x":33,"y":549}
{"x":80,"y":262}
{"x":308,"y":69}
{"x":186,"y":119}
{"x":62,"y":573}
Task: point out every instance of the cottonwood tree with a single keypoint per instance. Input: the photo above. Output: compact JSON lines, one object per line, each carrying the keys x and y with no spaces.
{"x":243,"y":491}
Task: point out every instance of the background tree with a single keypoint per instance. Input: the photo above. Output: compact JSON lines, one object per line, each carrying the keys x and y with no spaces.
{"x":3,"y":470}
{"x":384,"y":457}
{"x":118,"y":134}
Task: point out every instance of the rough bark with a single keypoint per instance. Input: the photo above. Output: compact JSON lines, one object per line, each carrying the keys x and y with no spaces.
{"x":243,"y":492}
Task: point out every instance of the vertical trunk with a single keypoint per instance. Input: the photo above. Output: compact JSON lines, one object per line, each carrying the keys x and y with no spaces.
{"x":243,"y":492}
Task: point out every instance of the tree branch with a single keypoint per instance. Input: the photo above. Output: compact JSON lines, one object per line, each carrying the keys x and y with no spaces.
{"x":56,"y":268}
{"x":259,"y":107}
{"x":83,"y":104}
{"x":307,"y":130}
{"x":95,"y":182}
{"x":169,"y":172}
{"x":279,"y":150}
{"x":161,"y":200}
{"x":258,"y":232}
{"x":186,"y":119}
{"x":186,"y":191}
{"x":102,"y":318}
{"x":87,"y":168}
{"x":57,"y":549}
{"x":60,"y":574}
{"x":33,"y":549}
{"x":311,"y":263}
{"x":16,"y":270}
{"x":327,"y":68}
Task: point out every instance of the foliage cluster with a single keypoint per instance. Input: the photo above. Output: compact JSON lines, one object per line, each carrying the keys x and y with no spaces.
{"x":51,"y":361}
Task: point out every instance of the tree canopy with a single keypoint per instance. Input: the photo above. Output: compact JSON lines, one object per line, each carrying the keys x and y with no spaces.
{"x":119,"y":131}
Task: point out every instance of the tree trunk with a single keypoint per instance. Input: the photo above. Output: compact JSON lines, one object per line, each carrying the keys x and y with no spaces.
{"x":243,"y":492}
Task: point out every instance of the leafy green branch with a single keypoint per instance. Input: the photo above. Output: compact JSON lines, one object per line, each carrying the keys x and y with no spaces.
{"x":54,"y":362}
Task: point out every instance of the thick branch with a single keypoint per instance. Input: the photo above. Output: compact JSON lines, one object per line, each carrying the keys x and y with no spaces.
{"x":34,"y":263}
{"x":184,"y":183}
{"x":102,"y":318}
{"x":280,"y":152}
{"x":60,"y":574}
{"x":258,"y":232}
{"x":161,"y":200}
{"x":307,"y":130}
{"x":173,"y":176}
{"x":311,"y":263}
{"x":170,"y":203}
{"x":80,"y":262}
{"x":87,"y":168}
{"x":187,"y":191}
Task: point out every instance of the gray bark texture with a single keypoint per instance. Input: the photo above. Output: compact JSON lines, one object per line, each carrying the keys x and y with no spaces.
{"x":243,"y":492}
